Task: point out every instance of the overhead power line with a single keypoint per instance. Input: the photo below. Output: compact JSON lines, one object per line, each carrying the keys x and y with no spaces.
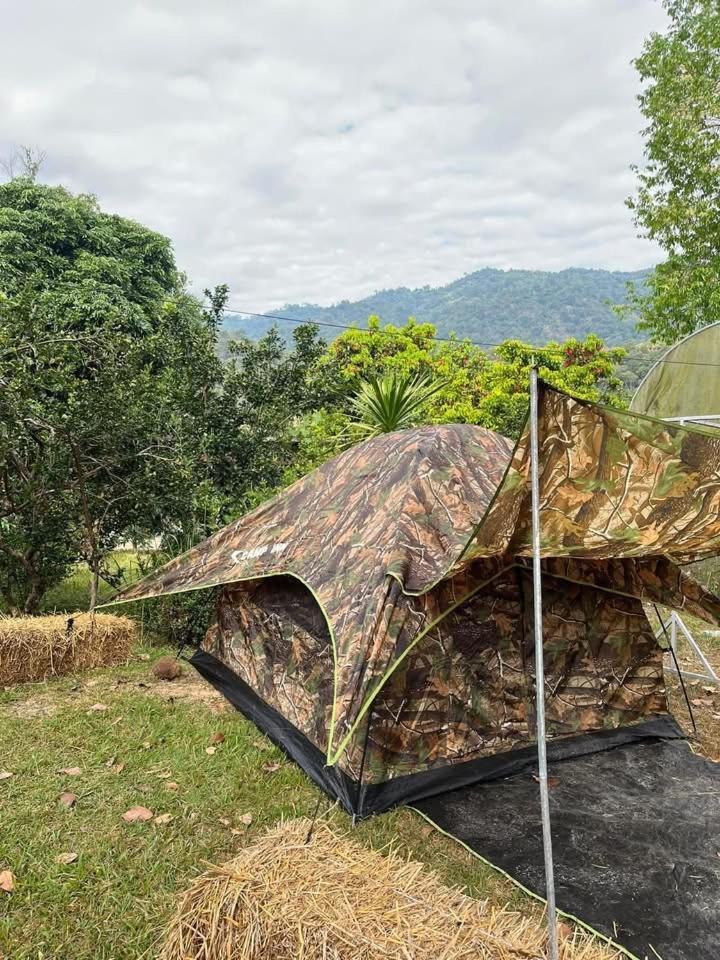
{"x":452,"y":340}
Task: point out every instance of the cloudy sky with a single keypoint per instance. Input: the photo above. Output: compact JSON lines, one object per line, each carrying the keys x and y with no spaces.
{"x":315,"y":150}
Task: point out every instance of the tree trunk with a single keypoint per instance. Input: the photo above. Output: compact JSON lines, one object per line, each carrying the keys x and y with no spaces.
{"x":37,"y":583}
{"x":35,"y":594}
{"x":91,"y":540}
{"x":94,"y":584}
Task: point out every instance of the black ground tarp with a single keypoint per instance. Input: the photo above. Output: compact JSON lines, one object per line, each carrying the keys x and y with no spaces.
{"x":636,"y":834}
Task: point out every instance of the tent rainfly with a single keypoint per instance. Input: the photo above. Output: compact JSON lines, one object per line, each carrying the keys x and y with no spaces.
{"x":376,"y":618}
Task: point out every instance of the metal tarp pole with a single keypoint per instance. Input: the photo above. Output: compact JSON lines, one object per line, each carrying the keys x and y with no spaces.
{"x":540,"y":670}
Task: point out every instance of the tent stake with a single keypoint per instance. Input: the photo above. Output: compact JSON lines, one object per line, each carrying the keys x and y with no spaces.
{"x":540,"y":671}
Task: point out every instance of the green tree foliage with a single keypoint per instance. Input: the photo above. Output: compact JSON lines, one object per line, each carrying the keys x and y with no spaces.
{"x":267,"y":390}
{"x":678,"y":199}
{"x":118,"y":419}
{"x":490,"y":390}
{"x":103,"y":358}
{"x":637,"y":362}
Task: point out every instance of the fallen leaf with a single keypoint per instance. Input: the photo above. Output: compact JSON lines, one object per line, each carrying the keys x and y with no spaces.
{"x":164,"y":775}
{"x":7,"y":881}
{"x":5,"y":774}
{"x":144,"y":656}
{"x":66,"y":858}
{"x":426,"y":831}
{"x":110,"y":762}
{"x":67,"y":800}
{"x":97,"y":708}
{"x":565,"y":931}
{"x":218,"y":737}
{"x":117,"y":767}
{"x":246,"y":818}
{"x":70,"y":771}
{"x":146,"y":744}
{"x":552,"y":781}
{"x":210,"y":750}
{"x":224,"y":821}
{"x":171,"y":785}
{"x":163,"y":818}
{"x":271,"y":767}
{"x":137,"y":815}
{"x":702,"y":702}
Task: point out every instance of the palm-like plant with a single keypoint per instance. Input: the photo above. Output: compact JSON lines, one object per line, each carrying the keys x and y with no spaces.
{"x":390,"y":403}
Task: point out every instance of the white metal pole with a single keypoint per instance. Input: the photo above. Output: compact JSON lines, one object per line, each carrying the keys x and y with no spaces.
{"x":540,"y":670}
{"x":679,"y":622}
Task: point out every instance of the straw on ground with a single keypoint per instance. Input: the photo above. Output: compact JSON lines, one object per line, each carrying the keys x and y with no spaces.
{"x":334,"y":899}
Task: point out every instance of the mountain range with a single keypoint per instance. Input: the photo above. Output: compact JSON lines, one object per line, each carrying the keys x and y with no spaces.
{"x":488,"y":305}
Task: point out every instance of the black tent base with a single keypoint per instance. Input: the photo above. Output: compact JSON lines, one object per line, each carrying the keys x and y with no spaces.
{"x":636,"y":836}
{"x":362,"y":799}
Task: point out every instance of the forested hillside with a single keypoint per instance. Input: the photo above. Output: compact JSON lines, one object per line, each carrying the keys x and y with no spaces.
{"x":488,"y":305}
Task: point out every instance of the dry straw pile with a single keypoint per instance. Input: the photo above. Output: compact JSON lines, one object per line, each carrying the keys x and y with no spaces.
{"x":33,"y":648}
{"x":285,"y":899}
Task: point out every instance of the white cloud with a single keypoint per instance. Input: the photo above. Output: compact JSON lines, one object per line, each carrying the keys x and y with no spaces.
{"x":313,"y":150}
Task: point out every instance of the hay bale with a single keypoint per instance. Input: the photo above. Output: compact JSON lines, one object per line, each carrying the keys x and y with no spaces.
{"x":34,"y":648}
{"x":337,"y":900}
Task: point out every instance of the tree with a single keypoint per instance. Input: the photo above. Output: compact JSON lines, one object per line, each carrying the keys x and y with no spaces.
{"x":103,"y":358}
{"x":267,"y":391}
{"x":678,"y":199}
{"x":489,"y":390}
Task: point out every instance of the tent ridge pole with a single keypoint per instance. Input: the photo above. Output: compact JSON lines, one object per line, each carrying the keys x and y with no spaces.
{"x":540,"y":670}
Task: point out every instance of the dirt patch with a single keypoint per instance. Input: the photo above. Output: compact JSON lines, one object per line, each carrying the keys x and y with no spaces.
{"x":49,"y":699}
{"x":190,"y":686}
{"x":704,"y":699}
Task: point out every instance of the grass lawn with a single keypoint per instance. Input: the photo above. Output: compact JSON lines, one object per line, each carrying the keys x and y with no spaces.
{"x":114,"y":899}
{"x":74,"y":591}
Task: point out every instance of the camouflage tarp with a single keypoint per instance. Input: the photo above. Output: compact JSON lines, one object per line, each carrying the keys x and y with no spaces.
{"x":612,"y":484}
{"x":396,"y":535}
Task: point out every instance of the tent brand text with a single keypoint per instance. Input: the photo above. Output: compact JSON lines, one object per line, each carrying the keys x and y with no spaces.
{"x":237,"y":556}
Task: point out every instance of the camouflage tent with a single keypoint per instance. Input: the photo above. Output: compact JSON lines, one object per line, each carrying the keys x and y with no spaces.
{"x":376,"y":618}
